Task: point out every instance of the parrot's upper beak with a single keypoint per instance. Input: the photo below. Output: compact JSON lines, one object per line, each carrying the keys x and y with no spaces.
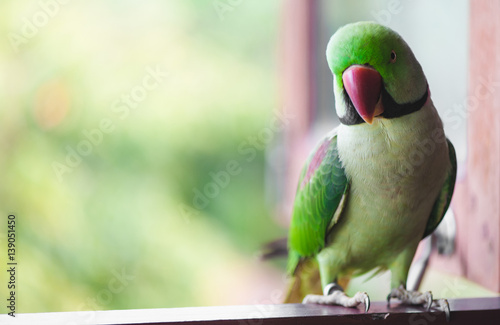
{"x":363,"y":85}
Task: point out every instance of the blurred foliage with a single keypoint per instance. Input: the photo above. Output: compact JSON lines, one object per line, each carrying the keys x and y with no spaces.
{"x":127,"y":206}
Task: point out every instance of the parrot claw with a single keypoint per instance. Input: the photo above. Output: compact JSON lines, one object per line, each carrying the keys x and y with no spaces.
{"x":429,"y":302}
{"x":367,"y":303}
{"x":444,"y":306}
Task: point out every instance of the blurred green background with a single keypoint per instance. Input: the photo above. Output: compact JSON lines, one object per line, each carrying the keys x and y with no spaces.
{"x":138,"y":145}
{"x":101,"y":157}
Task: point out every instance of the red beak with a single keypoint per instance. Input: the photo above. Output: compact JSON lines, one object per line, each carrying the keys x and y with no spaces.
{"x":363,"y":85}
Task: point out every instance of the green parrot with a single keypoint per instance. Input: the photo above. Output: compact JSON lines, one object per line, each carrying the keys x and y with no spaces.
{"x":380,"y":182}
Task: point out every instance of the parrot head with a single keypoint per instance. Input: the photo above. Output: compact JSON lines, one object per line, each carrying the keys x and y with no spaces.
{"x":375,"y":74}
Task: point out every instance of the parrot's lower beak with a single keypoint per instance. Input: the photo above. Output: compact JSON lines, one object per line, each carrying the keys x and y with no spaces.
{"x":363,"y":84}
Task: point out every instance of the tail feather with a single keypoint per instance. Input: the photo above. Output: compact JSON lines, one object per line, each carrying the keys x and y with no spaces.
{"x":306,"y":280}
{"x":305,"y":277}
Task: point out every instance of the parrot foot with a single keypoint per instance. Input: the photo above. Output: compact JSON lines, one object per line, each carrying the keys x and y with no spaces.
{"x":444,"y":306}
{"x":419,"y":298}
{"x":410,"y":297}
{"x":334,"y":295}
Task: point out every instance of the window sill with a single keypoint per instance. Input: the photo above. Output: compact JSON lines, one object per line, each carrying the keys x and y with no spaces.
{"x":463,"y":311}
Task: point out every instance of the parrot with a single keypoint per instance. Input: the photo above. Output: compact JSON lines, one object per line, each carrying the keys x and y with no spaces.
{"x":376,"y":185}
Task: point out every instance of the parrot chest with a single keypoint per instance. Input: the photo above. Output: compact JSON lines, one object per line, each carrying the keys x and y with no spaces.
{"x":396,"y":170}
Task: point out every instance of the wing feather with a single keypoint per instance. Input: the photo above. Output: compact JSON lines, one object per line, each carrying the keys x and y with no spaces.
{"x":444,"y":198}
{"x":322,"y":185}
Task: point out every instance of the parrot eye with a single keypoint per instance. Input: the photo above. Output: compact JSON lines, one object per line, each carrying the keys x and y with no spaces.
{"x":393,"y":56}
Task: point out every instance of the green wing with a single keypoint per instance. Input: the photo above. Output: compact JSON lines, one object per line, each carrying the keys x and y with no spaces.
{"x":321,"y":187}
{"x":443,"y":200}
